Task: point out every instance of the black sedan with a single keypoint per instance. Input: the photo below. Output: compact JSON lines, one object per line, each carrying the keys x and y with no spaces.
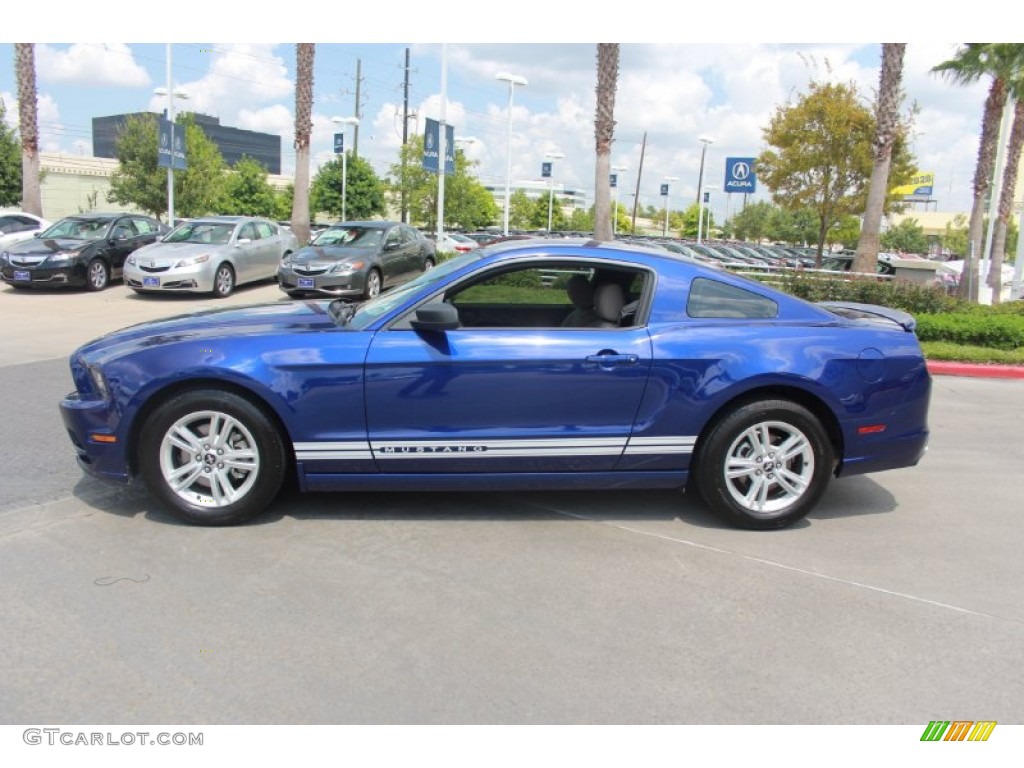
{"x":80,"y":251}
{"x":357,"y":260}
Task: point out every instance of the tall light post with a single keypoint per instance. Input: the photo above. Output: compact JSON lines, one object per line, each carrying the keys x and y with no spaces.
{"x":171,"y":95}
{"x":513,"y":81}
{"x":665,"y":187}
{"x":705,"y":140}
{"x":551,"y":184}
{"x":706,"y":197}
{"x":343,"y":121}
{"x":615,"y":203}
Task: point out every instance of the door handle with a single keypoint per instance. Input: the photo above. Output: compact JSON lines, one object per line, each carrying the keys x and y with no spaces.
{"x":612,"y":359}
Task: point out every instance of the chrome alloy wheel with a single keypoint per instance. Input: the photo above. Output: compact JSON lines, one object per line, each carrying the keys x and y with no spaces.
{"x":209,"y":458}
{"x":769,"y":467}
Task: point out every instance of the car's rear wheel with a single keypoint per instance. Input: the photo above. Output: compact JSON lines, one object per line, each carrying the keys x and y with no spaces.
{"x":372,"y":288}
{"x":765,"y":465}
{"x":97,"y":275}
{"x":428,"y":264}
{"x":211,"y":457}
{"x":223,"y":281}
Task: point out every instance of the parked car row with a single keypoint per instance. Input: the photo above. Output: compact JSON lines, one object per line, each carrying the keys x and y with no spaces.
{"x":212,"y":255}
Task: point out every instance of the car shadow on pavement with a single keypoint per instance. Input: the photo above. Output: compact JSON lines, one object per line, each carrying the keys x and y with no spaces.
{"x":844,"y":498}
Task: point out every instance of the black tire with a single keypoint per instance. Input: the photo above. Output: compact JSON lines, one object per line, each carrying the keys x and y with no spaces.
{"x":97,"y":275}
{"x":223,"y":281}
{"x":243,"y":434}
{"x":428,"y":263}
{"x":373,"y":285}
{"x":767,"y":490}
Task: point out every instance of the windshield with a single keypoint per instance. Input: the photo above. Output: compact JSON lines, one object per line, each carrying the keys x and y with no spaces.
{"x":386,"y":302}
{"x":351,"y":237}
{"x":201,"y":232}
{"x":76,"y":229}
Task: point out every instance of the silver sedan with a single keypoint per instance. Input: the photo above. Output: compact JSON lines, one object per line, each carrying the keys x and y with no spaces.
{"x":210,"y":255}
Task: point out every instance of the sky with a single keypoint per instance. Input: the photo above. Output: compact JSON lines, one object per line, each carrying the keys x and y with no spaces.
{"x":672,"y":87}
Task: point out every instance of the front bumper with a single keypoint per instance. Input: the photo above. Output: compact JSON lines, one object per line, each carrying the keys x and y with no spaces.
{"x":349,"y":285}
{"x":198,"y":279}
{"x":71,"y":276}
{"x":99,"y":449}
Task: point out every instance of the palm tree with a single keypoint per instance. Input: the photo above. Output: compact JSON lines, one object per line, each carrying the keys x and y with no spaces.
{"x":1013,"y":152}
{"x":1001,"y":62}
{"x":887,"y":108}
{"x":604,"y":132}
{"x":303,"y":128}
{"x":28,"y":127}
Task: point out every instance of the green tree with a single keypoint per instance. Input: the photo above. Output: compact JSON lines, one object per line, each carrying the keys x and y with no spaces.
{"x":283,"y":202}
{"x":751,"y":223}
{"x":364,"y":191}
{"x":138,"y":180}
{"x":974,"y":61}
{"x":887,"y":129}
{"x":467,"y":203}
{"x":10,"y":162}
{"x":846,"y":232}
{"x":1008,"y":191}
{"x":581,"y":220}
{"x":821,"y":156}
{"x":247,"y":191}
{"x":907,"y":237}
{"x":521,"y":209}
{"x":539,"y":216}
{"x":954,"y":240}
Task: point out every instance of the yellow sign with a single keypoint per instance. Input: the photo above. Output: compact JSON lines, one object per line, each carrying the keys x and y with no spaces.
{"x":922,"y":185}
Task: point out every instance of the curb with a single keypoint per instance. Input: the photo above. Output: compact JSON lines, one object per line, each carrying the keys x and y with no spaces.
{"x":980,"y":370}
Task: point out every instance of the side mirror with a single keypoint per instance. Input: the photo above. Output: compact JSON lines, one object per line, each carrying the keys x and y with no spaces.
{"x":436,"y":317}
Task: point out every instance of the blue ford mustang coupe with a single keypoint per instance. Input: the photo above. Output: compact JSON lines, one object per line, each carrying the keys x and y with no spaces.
{"x":525,"y":365}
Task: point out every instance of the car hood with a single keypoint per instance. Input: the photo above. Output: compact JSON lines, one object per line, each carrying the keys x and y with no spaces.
{"x":330,"y":254}
{"x":167,"y":254}
{"x":215,"y":324}
{"x":37,"y":247}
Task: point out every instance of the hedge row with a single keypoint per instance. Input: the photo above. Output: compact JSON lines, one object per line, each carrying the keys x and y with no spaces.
{"x":940,"y":317}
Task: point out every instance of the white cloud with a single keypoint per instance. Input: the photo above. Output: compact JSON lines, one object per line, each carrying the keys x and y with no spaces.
{"x":92,"y":64}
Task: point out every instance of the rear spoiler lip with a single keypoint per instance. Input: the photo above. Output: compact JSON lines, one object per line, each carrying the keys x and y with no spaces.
{"x":902,"y":319}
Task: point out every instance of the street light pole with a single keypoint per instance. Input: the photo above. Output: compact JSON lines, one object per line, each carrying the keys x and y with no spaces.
{"x":551,"y":184}
{"x":615,"y":203}
{"x":171,"y":94}
{"x":664,"y":232}
{"x":344,"y":121}
{"x":705,"y":140}
{"x":512,"y":80}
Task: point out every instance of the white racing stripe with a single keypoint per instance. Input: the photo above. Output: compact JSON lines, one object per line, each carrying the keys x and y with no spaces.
{"x":358,"y":450}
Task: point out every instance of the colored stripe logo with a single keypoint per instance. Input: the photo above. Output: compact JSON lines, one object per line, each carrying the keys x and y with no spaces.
{"x":958,"y":730}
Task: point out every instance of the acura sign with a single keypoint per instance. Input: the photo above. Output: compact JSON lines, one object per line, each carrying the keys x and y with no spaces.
{"x":739,"y":175}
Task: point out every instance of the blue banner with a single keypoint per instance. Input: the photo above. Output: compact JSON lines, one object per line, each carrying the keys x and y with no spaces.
{"x":339,"y":143}
{"x":170,"y":151}
{"x":613,"y":181}
{"x":664,"y":190}
{"x":739,"y":175}
{"x":545,"y":170}
{"x":431,"y":148}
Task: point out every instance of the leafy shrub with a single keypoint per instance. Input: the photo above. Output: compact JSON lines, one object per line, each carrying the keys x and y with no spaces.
{"x":993,"y":330}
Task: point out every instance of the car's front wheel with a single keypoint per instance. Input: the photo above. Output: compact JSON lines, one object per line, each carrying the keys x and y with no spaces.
{"x":373,"y":282}
{"x":211,"y":457}
{"x":765,"y":465}
{"x":223,"y":281}
{"x":97,"y":275}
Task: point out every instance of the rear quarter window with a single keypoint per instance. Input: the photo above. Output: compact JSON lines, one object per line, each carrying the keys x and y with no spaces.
{"x":711,"y":298}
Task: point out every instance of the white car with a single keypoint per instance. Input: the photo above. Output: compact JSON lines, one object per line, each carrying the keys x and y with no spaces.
{"x":17,"y":226}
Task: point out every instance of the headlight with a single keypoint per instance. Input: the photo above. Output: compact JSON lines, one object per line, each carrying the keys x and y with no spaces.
{"x":193,"y":261}
{"x":130,"y":261}
{"x":98,"y":381}
{"x":3,"y":258}
{"x":286,"y":260}
{"x":59,"y":259}
{"x":346,"y":267}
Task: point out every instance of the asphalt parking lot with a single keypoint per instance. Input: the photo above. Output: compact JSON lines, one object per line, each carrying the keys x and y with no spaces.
{"x":898,"y":601}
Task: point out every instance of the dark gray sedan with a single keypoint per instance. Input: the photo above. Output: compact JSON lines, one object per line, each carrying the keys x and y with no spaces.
{"x":357,"y":260}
